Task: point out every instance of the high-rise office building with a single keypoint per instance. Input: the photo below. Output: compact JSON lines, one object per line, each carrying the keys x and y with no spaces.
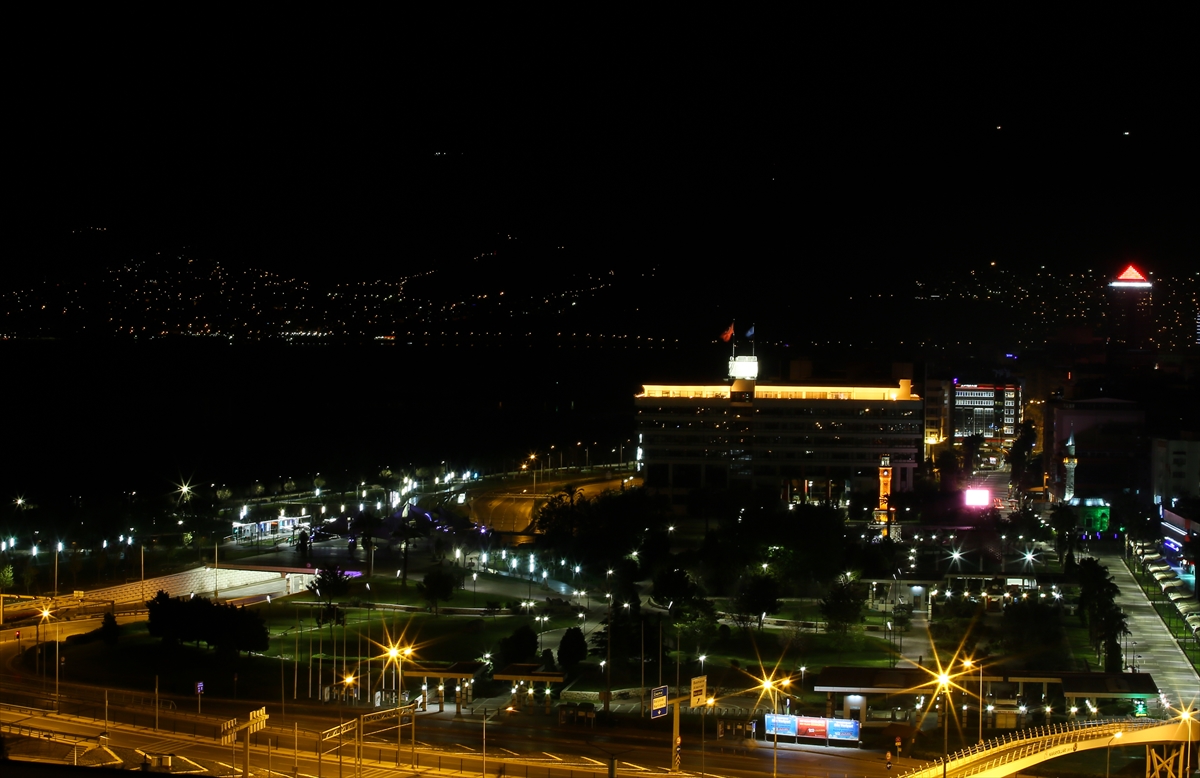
{"x":1131,"y":319}
{"x":990,"y":410}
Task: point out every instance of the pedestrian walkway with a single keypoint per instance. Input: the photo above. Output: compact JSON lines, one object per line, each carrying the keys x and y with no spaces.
{"x":1151,"y":644}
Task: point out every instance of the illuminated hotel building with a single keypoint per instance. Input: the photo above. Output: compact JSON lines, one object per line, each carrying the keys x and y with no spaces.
{"x":807,"y":441}
{"x":1131,"y":318}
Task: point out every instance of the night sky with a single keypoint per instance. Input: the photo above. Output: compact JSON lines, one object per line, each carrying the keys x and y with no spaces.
{"x":756,"y":158}
{"x":791,"y":151}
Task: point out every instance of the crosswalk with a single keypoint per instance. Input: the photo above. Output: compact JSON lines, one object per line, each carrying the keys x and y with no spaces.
{"x":165,"y":746}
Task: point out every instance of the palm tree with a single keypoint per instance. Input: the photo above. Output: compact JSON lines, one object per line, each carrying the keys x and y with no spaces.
{"x":1114,"y":624}
{"x":1064,"y":521}
{"x":971,"y":445}
{"x":1097,"y":604}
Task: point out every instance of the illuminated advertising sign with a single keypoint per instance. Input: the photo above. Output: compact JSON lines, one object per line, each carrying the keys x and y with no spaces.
{"x":811,"y":726}
{"x":1131,"y":277}
{"x":843,"y":729}
{"x":743,"y":367}
{"x":978,"y":498}
{"x":781,"y":725}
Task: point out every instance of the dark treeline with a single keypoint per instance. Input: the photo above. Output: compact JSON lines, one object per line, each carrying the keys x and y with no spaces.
{"x":225,"y":628}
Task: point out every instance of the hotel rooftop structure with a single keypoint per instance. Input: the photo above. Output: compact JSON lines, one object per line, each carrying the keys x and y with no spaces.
{"x":809,"y":442}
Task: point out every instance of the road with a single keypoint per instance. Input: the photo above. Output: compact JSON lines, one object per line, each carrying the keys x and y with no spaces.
{"x":456,"y":745}
{"x":509,"y":508}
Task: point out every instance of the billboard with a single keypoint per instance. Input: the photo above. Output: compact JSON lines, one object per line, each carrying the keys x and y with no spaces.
{"x":781,"y":725}
{"x":811,"y":726}
{"x":978,"y":498}
{"x":843,"y":729}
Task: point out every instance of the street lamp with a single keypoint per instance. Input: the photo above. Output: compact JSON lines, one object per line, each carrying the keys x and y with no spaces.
{"x":769,"y":685}
{"x":1186,"y":714}
{"x":968,"y":663}
{"x":1108,"y":751}
{"x":45,"y":616}
{"x":703,"y":719}
{"x":944,"y":682}
{"x":397,"y":654}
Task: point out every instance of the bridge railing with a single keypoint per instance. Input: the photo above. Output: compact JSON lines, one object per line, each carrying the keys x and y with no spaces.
{"x":1028,"y":742}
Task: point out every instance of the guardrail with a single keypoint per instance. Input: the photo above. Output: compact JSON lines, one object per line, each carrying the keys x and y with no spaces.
{"x":1027,"y":742}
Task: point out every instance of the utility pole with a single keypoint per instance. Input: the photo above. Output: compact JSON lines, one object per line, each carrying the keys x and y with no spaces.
{"x":608,"y":658}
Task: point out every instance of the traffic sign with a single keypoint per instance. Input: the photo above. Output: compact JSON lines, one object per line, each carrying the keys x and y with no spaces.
{"x":699,"y":691}
{"x":658,"y":702}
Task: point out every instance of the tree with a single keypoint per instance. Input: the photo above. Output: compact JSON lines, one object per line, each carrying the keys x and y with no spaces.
{"x":438,"y":586}
{"x":947,"y":467}
{"x":520,"y":646}
{"x":1097,"y":605}
{"x":1019,"y":455}
{"x":240,"y":629}
{"x":758,"y":595}
{"x":329,"y":583}
{"x":165,"y":619}
{"x":405,"y":533}
{"x":561,"y":518}
{"x":29,"y":574}
{"x":6,"y":578}
{"x":675,"y":589}
{"x":1064,"y":521}
{"x":1113,"y":625}
{"x":367,"y":524}
{"x":1033,"y":630}
{"x":843,"y":606}
{"x":110,"y":631}
{"x":971,"y":445}
{"x":573,"y":649}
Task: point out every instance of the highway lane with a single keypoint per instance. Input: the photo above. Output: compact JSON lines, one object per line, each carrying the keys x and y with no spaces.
{"x":457,"y":745}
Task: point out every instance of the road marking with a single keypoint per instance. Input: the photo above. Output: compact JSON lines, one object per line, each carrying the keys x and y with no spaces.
{"x":594,"y":761}
{"x":552,"y":756}
{"x":635,"y":767}
{"x":460,"y":745}
{"x":514,"y":753}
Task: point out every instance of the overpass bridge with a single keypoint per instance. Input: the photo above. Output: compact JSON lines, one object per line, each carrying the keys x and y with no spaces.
{"x":1170,"y":746}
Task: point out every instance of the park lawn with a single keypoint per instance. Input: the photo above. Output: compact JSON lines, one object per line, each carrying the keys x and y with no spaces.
{"x":433,"y":638}
{"x":758,"y":654}
{"x":1081,"y":650}
{"x":436,"y":640}
{"x":792,"y":610}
